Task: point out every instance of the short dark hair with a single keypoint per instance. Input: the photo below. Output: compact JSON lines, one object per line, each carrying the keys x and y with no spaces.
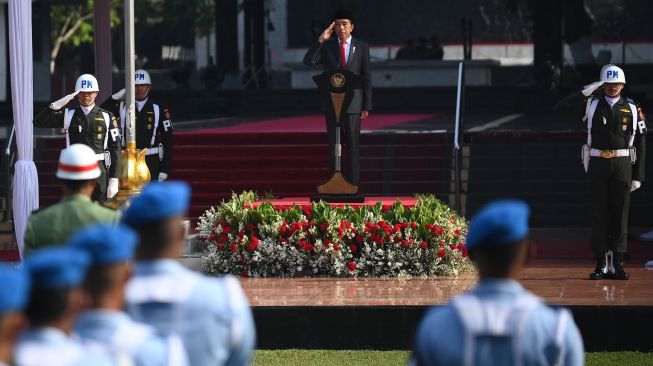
{"x":99,"y":280}
{"x":74,"y":185}
{"x":496,"y":260}
{"x":155,"y":237}
{"x":46,"y":305}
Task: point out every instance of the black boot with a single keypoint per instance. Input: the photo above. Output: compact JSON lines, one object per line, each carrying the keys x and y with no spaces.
{"x":599,"y":273}
{"x":619,"y":273}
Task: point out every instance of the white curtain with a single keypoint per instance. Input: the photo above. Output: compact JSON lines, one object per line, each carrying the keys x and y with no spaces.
{"x":26,"y":181}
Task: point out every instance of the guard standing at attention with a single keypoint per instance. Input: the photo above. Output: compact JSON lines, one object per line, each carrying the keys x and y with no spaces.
{"x":153,"y":125}
{"x":90,"y":125}
{"x":614,"y":159}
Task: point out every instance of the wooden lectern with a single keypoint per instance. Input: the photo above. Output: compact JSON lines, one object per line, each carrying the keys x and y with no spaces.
{"x":336,"y":88}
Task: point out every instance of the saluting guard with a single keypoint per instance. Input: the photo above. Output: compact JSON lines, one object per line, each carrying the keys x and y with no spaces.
{"x":90,"y":125}
{"x":153,"y":125}
{"x":614,"y":159}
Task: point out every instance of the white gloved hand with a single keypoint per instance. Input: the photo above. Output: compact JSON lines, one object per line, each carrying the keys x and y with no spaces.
{"x":589,"y":89}
{"x":120,"y":95}
{"x":112,"y":188}
{"x":162,"y":177}
{"x":634,"y":185}
{"x":63,"y":101}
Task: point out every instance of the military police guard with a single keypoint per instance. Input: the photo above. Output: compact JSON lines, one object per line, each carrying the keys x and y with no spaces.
{"x":90,"y":125}
{"x":153,"y":125}
{"x":614,"y":158}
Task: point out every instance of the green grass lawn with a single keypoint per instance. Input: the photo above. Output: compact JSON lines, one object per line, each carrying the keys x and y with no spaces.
{"x":295,"y":357}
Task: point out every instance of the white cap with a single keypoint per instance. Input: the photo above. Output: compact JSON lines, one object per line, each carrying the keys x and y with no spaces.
{"x":612,"y":74}
{"x":87,"y":83}
{"x":142,"y":77}
{"x":78,"y":162}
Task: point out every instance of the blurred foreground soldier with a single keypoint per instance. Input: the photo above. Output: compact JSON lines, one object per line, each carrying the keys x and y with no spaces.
{"x":13,"y":297}
{"x":55,"y":300}
{"x":210,"y":314}
{"x":105,"y":324}
{"x":349,"y":53}
{"x":498,"y":322}
{"x":614,"y":159}
{"x":89,"y":125}
{"x":77,"y":171}
{"x":153,"y":125}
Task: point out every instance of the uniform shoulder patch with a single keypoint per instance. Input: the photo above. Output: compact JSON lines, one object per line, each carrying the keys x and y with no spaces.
{"x":642,"y":127}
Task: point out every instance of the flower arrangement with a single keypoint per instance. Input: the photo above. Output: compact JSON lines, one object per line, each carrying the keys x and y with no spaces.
{"x":424,"y":240}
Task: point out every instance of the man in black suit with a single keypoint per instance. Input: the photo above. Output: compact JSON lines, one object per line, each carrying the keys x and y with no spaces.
{"x":345,"y":52}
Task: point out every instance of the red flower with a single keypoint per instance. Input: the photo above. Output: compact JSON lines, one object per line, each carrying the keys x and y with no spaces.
{"x":303,"y":244}
{"x":378,"y":240}
{"x":353,"y":248}
{"x":233,"y":247}
{"x":311,"y":223}
{"x":327,"y":243}
{"x":212,"y":237}
{"x":245,"y":273}
{"x":220,"y":246}
{"x":424,"y":244}
{"x":250,"y":227}
{"x":442,"y":253}
{"x":336,"y":247}
{"x":324,"y":226}
{"x":309,"y":247}
{"x":351,"y":266}
{"x":283,"y":241}
{"x":465,"y":252}
{"x":253,"y":243}
{"x":456,"y":232}
{"x":453,"y":247}
{"x":413,"y":225}
{"x":359,"y":239}
{"x":340,"y":232}
{"x":226,"y":229}
{"x":441,"y":244}
{"x":283,"y":229}
{"x":404,"y":244}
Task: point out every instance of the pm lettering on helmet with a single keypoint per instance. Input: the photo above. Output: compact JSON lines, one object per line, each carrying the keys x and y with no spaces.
{"x":140,"y":76}
{"x":613,"y":74}
{"x":87,"y":84}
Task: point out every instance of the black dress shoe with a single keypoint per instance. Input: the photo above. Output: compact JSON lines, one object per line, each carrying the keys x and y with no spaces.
{"x":598,"y":273}
{"x":619,"y":272}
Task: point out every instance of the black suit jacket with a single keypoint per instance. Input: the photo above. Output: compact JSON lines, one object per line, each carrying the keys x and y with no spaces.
{"x":327,"y":54}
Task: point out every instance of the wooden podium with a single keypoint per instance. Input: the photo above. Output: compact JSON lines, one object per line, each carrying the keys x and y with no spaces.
{"x":336,"y":89}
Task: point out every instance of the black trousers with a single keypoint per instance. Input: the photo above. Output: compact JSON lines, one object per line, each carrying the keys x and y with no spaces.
{"x":153,"y":165}
{"x":100,"y":192}
{"x":610,"y":202}
{"x":350,"y":136}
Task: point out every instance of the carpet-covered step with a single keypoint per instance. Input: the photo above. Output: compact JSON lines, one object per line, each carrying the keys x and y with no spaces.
{"x":215,"y":173}
{"x":303,"y":149}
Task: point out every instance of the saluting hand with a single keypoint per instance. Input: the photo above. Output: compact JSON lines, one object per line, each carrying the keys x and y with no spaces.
{"x":327,"y":33}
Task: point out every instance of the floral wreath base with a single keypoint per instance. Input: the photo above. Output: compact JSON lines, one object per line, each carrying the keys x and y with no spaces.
{"x":424,"y":240}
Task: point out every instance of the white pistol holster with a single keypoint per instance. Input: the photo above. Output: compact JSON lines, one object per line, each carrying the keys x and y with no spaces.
{"x":585,"y":156}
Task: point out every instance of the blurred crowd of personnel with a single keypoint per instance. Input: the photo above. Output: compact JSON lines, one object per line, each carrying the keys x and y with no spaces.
{"x":424,"y":49}
{"x":109,"y":289}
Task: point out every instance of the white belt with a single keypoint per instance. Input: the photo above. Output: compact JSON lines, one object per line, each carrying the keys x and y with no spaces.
{"x":152,"y":151}
{"x":100,"y":157}
{"x":609,"y":154}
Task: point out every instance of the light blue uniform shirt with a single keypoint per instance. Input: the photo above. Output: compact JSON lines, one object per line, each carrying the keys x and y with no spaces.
{"x":120,"y":335}
{"x":51,"y":347}
{"x":210,"y":314}
{"x":441,"y":336}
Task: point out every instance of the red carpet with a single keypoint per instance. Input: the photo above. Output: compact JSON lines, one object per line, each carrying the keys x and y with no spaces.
{"x":305,"y":202}
{"x":315,"y":123}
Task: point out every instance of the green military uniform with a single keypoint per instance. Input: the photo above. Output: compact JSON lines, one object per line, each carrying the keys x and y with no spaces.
{"x":153,"y":132}
{"x":90,"y":130}
{"x":55,"y":224}
{"x":610,"y":179}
